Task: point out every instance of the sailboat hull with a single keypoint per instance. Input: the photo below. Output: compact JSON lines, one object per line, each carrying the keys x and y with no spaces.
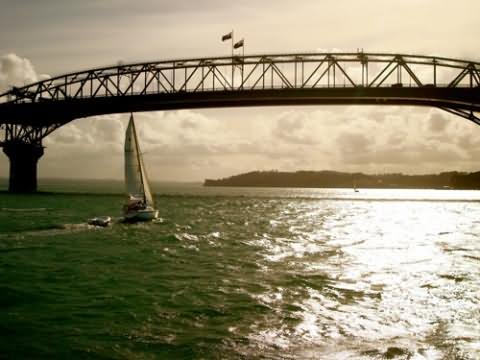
{"x":141,"y":215}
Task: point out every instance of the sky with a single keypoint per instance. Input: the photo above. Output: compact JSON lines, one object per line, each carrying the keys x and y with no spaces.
{"x":52,"y":37}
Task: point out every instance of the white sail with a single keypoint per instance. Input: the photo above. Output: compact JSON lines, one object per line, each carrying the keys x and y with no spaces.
{"x":135,"y":176}
{"x":146,"y":186}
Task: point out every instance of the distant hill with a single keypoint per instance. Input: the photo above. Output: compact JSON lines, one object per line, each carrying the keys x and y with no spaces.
{"x":335,"y":179}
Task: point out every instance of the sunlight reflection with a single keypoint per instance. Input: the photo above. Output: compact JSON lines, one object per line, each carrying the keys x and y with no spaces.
{"x":381,"y":271}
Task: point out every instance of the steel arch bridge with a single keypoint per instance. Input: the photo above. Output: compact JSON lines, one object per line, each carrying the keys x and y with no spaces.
{"x":31,"y":112}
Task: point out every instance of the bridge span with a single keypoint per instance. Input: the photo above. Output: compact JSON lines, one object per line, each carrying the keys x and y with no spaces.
{"x":30,"y":113}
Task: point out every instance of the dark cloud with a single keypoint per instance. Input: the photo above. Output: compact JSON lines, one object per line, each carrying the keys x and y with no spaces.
{"x":468,"y":142}
{"x":291,"y":127}
{"x":437,"y":122}
{"x":408,"y":157}
{"x":396,"y":139}
{"x":189,"y":124}
{"x":352,"y":143}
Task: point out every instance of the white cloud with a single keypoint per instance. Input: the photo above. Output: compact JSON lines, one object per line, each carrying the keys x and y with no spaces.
{"x":193,"y":145}
{"x":293,"y":127}
{"x":15,"y":71}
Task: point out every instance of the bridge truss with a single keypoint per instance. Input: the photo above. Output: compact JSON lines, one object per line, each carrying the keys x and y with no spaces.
{"x":31,"y":112}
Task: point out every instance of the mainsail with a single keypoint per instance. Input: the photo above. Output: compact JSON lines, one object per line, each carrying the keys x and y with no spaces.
{"x":135,"y":175}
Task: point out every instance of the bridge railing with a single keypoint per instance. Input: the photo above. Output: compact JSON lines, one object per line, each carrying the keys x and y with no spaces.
{"x":256,"y":72}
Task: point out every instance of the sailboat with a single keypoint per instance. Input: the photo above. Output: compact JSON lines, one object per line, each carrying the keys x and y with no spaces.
{"x":354,"y":186}
{"x":140,"y":205}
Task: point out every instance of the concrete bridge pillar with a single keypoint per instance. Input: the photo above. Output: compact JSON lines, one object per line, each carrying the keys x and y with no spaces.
{"x":23,"y":165}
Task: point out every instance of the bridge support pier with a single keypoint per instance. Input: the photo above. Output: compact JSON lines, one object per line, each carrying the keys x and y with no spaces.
{"x":23,"y":165}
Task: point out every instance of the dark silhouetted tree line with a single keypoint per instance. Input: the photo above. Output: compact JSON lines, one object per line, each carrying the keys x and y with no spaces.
{"x":334,"y":179}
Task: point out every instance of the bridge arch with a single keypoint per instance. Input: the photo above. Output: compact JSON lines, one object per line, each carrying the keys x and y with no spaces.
{"x":30,"y":113}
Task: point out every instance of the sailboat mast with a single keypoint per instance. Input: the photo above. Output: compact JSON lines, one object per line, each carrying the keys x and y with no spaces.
{"x":138,"y":157}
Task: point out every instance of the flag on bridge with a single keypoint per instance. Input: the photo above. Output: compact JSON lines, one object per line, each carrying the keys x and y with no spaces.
{"x":238,"y":44}
{"x":227,"y":36}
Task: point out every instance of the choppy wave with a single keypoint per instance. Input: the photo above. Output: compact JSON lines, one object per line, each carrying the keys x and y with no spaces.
{"x":23,"y":210}
{"x":247,"y":277}
{"x":54,"y":230}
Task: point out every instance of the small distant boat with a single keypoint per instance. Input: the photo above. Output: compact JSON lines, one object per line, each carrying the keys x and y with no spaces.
{"x":140,"y":205}
{"x":355,"y":187}
{"x":100,"y":221}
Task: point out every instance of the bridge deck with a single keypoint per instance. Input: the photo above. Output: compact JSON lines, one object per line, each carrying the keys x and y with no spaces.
{"x":50,"y":112}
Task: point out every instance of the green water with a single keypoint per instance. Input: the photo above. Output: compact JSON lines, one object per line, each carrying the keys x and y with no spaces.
{"x":240,"y":273}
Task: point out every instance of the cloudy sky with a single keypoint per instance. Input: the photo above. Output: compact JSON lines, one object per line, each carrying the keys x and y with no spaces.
{"x":51,"y":37}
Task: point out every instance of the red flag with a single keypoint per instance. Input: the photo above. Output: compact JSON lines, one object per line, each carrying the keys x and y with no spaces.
{"x":227,"y":36}
{"x":238,"y":44}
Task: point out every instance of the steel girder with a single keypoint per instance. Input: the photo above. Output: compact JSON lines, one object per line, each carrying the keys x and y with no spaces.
{"x":253,"y":72}
{"x":26,"y":134}
{"x":240,"y":75}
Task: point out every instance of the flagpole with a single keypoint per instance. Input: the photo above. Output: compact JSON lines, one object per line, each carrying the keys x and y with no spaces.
{"x":243,"y":59}
{"x":233,"y":65}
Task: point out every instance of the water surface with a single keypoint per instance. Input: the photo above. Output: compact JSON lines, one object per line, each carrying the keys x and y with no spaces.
{"x":241,"y":273}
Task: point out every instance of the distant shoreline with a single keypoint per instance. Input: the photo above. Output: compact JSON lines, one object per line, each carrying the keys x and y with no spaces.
{"x":335,"y":179}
